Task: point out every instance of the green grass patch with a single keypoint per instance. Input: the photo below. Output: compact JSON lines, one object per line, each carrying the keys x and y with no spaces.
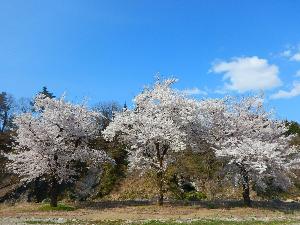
{"x":60,"y":207}
{"x":70,"y":222}
{"x":38,"y":222}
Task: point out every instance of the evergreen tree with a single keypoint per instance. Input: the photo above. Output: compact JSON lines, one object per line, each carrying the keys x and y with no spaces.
{"x":294,"y":129}
{"x":47,"y":93}
{"x":6,"y":105}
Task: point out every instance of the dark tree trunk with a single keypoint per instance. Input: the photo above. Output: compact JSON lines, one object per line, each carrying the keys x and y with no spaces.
{"x":160,"y":175}
{"x":53,"y":192}
{"x":160,"y":186}
{"x":4,"y":121}
{"x":246,"y":186}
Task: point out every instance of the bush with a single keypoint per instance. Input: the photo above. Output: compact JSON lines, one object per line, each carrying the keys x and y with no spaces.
{"x":60,"y":207}
{"x":194,"y":196}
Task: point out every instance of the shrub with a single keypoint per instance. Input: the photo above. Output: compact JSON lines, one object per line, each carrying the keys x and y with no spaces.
{"x":194,"y":196}
{"x":60,"y":207}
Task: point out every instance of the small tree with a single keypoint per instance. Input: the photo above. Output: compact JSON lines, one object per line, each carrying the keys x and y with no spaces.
{"x":52,"y":139}
{"x":155,"y":129}
{"x":251,"y":140}
{"x":46,"y":93}
{"x":6,"y":111}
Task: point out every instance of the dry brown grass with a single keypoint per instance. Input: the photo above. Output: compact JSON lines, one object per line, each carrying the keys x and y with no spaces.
{"x":143,"y":212}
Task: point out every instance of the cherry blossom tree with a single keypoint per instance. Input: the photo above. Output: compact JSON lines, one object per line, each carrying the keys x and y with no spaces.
{"x":156,"y":129}
{"x":50,"y":140}
{"x":248,"y":136}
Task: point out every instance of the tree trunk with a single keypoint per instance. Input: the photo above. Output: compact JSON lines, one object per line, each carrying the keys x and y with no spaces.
{"x":160,"y":186}
{"x":53,"y":192}
{"x":246,"y":187}
{"x":160,"y":175}
{"x":4,"y":121}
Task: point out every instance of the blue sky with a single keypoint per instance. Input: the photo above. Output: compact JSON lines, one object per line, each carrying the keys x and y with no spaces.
{"x":107,"y":50}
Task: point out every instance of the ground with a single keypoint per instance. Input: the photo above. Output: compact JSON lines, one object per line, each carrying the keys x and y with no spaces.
{"x":206,"y":213}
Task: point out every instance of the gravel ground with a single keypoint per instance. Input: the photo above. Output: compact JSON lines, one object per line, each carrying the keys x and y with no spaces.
{"x":22,"y":220}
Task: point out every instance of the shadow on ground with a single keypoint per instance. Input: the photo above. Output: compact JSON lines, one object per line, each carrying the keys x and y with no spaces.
{"x":275,"y":205}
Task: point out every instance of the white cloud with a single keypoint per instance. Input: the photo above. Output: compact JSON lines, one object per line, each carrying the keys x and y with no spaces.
{"x":286,"y":53}
{"x":292,"y":53}
{"x":194,"y":91}
{"x":295,"y":91}
{"x":295,"y":57}
{"x":248,"y":74}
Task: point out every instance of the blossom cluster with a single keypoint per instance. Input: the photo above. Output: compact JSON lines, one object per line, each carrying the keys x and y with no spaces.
{"x":49,"y":140}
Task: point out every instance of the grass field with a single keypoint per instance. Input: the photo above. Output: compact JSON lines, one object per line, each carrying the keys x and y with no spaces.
{"x":117,"y":213}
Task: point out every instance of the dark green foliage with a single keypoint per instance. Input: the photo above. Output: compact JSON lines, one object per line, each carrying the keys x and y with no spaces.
{"x":173,"y":186}
{"x":60,"y":207}
{"x":194,"y":166}
{"x":112,"y":173}
{"x":203,"y":165}
{"x":187,"y":187}
{"x":5,"y":143}
{"x":184,"y":190}
{"x":6,"y":131}
{"x":47,"y":93}
{"x":294,"y":127}
{"x":6,"y":109}
{"x":194,"y":196}
{"x":38,"y":190}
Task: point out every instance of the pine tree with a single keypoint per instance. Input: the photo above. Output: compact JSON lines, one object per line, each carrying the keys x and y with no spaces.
{"x":6,"y":105}
{"x":46,"y":93}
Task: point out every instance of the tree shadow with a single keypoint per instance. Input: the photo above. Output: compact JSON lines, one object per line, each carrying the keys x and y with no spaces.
{"x":275,"y":205}
{"x":113,"y":204}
